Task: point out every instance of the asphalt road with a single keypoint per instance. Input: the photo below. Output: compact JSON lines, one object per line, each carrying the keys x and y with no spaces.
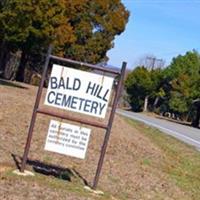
{"x":184,"y":133}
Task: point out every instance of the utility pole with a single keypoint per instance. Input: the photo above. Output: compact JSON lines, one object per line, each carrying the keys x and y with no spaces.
{"x":154,"y":60}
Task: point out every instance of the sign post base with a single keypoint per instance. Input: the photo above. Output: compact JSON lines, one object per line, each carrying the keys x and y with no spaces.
{"x":25,"y":173}
{"x":99,"y":192}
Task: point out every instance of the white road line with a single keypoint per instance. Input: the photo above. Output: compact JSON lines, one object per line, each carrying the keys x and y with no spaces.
{"x":162,"y":128}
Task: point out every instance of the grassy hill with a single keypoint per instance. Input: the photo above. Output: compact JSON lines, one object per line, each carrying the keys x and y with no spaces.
{"x":141,"y":163}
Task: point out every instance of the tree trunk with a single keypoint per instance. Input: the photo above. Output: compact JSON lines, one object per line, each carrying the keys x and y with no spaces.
{"x":4,"y":56}
{"x":195,"y":122}
{"x":21,"y":68}
{"x":155,"y":102}
{"x":146,"y":103}
{"x":12,"y":65}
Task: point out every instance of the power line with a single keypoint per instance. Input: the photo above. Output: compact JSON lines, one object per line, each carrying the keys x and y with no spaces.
{"x":154,"y":60}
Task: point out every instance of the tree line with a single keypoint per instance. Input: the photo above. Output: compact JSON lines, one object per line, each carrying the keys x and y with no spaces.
{"x":83,"y":30}
{"x":174,"y":90}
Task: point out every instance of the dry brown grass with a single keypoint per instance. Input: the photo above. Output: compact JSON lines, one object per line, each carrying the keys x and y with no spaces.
{"x":129,"y":170}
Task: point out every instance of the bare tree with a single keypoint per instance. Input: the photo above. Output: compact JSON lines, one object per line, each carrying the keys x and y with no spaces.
{"x":150,"y":62}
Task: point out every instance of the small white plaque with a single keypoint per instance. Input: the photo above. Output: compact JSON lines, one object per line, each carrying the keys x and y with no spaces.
{"x":67,"y":139}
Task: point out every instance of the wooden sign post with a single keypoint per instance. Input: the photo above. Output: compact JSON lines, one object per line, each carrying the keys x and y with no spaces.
{"x":78,"y":91}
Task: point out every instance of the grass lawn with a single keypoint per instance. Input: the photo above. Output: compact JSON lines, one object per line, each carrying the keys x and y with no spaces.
{"x":180,"y":161}
{"x":141,"y":163}
{"x":75,"y":189}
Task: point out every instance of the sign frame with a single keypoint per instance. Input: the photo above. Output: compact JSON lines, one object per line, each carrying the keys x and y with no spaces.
{"x":37,"y":110}
{"x":79,"y":91}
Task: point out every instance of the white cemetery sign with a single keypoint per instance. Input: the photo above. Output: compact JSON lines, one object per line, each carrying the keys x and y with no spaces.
{"x":79,"y":91}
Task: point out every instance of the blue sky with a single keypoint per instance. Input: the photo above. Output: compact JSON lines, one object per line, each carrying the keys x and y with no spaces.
{"x":163,"y":28}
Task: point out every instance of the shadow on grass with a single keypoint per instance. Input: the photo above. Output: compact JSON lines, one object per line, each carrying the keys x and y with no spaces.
{"x":11,"y":84}
{"x":49,"y":169}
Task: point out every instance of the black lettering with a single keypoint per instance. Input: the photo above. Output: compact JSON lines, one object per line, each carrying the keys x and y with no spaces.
{"x":67,"y":84}
{"x":48,"y":97}
{"x":97,"y":88}
{"x":81,"y":103}
{"x":77,"y":84}
{"x":66,"y":100}
{"x":61,"y":83}
{"x":74,"y":102}
{"x":104,"y":97}
{"x":92,"y":88}
{"x":53,"y":126}
{"x":87,"y":104}
{"x":58,"y":99}
{"x":94,"y":107}
{"x":98,"y":95}
{"x":101,"y":107}
{"x":53,"y":81}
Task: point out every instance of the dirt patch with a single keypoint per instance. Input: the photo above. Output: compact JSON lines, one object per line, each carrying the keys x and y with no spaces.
{"x":4,"y":167}
{"x":130,"y":169}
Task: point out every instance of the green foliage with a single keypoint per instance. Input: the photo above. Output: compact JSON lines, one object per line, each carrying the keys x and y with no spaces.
{"x":81,"y":29}
{"x":157,"y":79}
{"x":184,"y":80}
{"x":186,"y":64}
{"x":95,"y":24}
{"x":31,"y":23}
{"x":141,"y":83}
{"x":138,"y":85}
{"x":180,"y":94}
{"x":176,"y":86}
